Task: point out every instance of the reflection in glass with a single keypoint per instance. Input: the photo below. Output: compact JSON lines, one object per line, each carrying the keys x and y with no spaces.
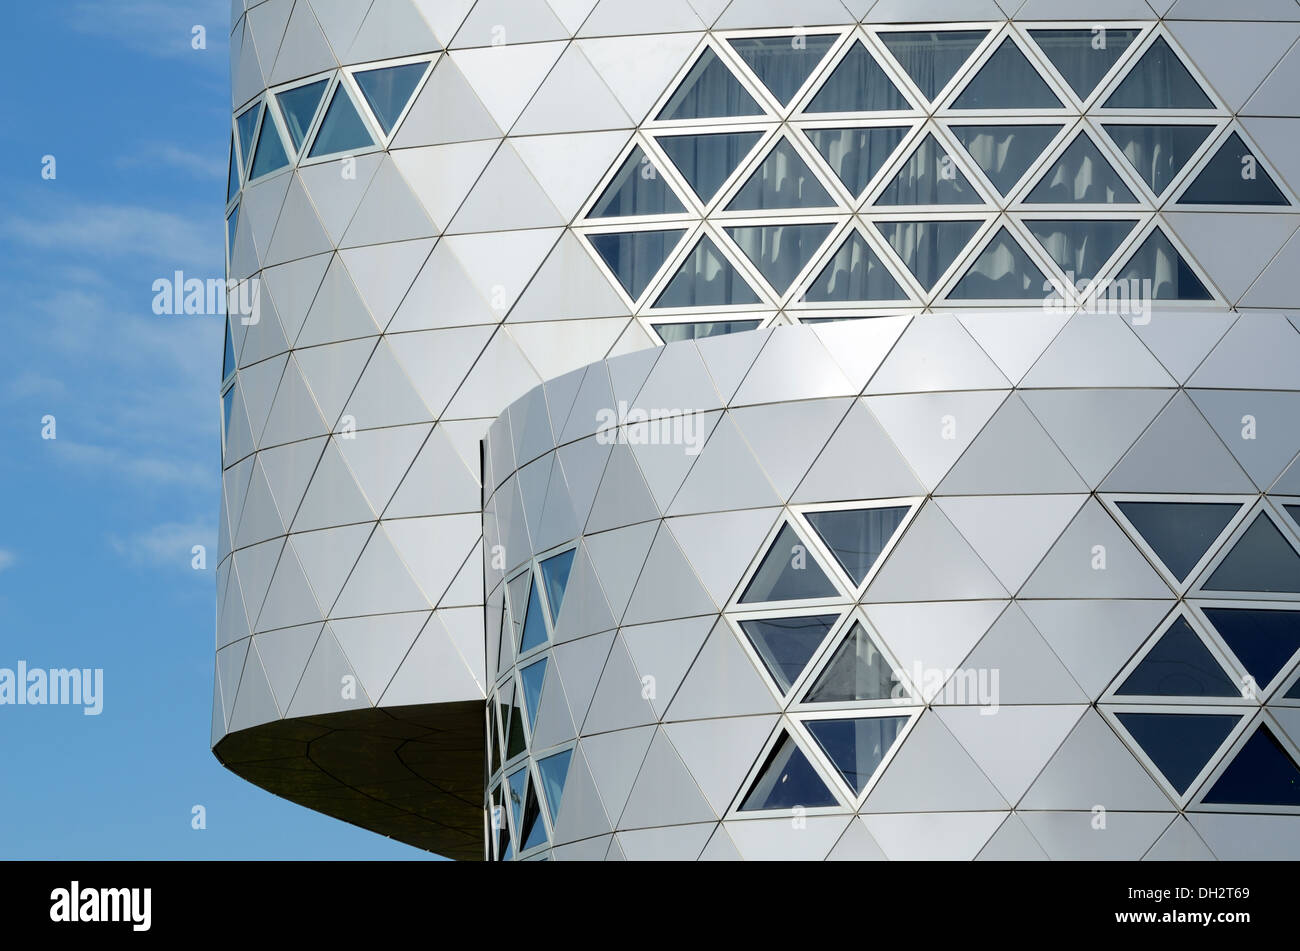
{"x":1233,"y":177}
{"x":788,"y":572}
{"x":1159,"y":81}
{"x":1007,"y":81}
{"x":389,"y":89}
{"x":1261,"y":561}
{"x":783,"y":180}
{"x":554,"y":770}
{"x":299,"y":107}
{"x":787,"y":644}
{"x":780,"y":251}
{"x":709,"y":91}
{"x":1003,"y":271}
{"x":928,"y":248}
{"x":1180,"y":744}
{"x":1081,"y":176}
{"x":1179,"y":665}
{"x":706,"y":161}
{"x":858,"y":84}
{"x":706,"y":279}
{"x":783,"y":63}
{"x":929,"y":177}
{"x":270,"y":150}
{"x":532,"y":677}
{"x":637,"y":189}
{"x":855,"y":273}
{"x":930,"y":58}
{"x":635,"y":257}
{"x":342,"y":129}
{"x":856,"y":155}
{"x":699,"y":330}
{"x":858,"y":536}
{"x":1161,"y":272}
{"x":1084,"y":57}
{"x":1005,"y":152}
{"x":1158,"y":152}
{"x":555,"y":575}
{"x":858,"y":671}
{"x":787,"y":780}
{"x":857,"y":747}
{"x":1081,"y":248}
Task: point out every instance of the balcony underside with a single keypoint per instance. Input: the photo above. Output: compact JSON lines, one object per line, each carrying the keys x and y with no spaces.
{"x":413,"y":773}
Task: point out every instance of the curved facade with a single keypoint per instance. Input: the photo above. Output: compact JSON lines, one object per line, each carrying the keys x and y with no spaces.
{"x":438,"y":210}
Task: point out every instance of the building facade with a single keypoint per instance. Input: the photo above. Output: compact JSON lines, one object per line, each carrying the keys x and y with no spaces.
{"x":759,"y":429}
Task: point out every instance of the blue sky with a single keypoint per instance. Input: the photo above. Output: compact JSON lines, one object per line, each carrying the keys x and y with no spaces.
{"x":98,"y":524}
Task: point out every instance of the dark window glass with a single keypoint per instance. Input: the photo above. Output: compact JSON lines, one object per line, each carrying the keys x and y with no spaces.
{"x":1081,"y":248}
{"x":635,"y":257}
{"x":555,"y":771}
{"x":783,"y":63}
{"x":856,"y":155}
{"x":1005,"y":152}
{"x":1158,"y":272}
{"x":857,"y":536}
{"x":788,"y":572}
{"x":1294,"y":512}
{"x":1233,"y":177}
{"x":1159,"y":81}
{"x":787,"y":644}
{"x":858,"y":671}
{"x":856,"y":747}
{"x":1007,"y":81}
{"x":1263,"y":640}
{"x":228,"y":358}
{"x":342,"y":129}
{"x":706,"y":279}
{"x":534,"y":626}
{"x":783,"y":180}
{"x":532,"y":677}
{"x":706,"y":161}
{"x":232,"y":228}
{"x":1081,"y":176}
{"x":855,"y":273}
{"x":494,"y":740}
{"x":637,"y":189}
{"x":515,"y":736}
{"x":227,"y":408}
{"x":232,"y":177}
{"x":1159,"y":152}
{"x":555,"y":575}
{"x":1179,"y":665}
{"x":928,"y":248}
{"x":389,"y":89}
{"x":1179,"y":744}
{"x":929,"y":177}
{"x":672,"y":333}
{"x":1180,"y":533}
{"x":1261,"y":561}
{"x":270,"y":150}
{"x":1261,"y":774}
{"x":709,"y":91}
{"x":932,"y":59}
{"x":246,"y":125}
{"x":299,"y":108}
{"x":1084,"y":57}
{"x":787,"y":780}
{"x":858,"y":84}
{"x":517,"y":589}
{"x":1003,"y":271}
{"x":780,"y":252}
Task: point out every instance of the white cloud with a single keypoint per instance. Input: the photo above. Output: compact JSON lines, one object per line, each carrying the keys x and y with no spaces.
{"x":169,"y":544}
{"x":7,"y":559}
{"x":204,"y":166}
{"x":160,"y":28}
{"x":119,"y":231}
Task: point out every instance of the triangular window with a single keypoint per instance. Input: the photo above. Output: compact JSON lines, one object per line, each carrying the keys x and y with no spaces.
{"x":232,"y":177}
{"x":929,"y":177}
{"x":228,"y":357}
{"x":532,"y":677}
{"x":1261,"y":774}
{"x":1005,"y":152}
{"x":1180,"y":533}
{"x":786,"y":781}
{"x":857,"y":671}
{"x":555,"y":771}
{"x":1158,"y":152}
{"x":1081,"y":248}
{"x":1161,"y":273}
{"x":635,"y":257}
{"x":246,"y":125}
{"x":858,"y":84}
{"x":780,"y":252}
{"x":232,"y":228}
{"x":1262,"y":639}
{"x":1084,"y":57}
{"x":706,"y":161}
{"x":555,"y":575}
{"x":388,"y":90}
{"x":709,"y":91}
{"x":1233,"y":177}
{"x":699,"y":330}
{"x":856,"y":748}
{"x":932,"y":59}
{"x":1081,"y":176}
{"x":1261,"y":561}
{"x":854,"y":273}
{"x":637,"y":189}
{"x":1179,"y":665}
{"x":788,"y":572}
{"x":534,"y":626}
{"x":1180,"y":744}
{"x":928,"y":248}
{"x":1159,"y":81}
{"x":787,"y":644}
{"x":270,"y":150}
{"x":706,"y":279}
{"x":299,"y":107}
{"x":856,"y":155}
{"x":342,"y":129}
{"x":1003,"y":271}
{"x":783,"y":63}
{"x":856,"y":537}
{"x":783,"y":180}
{"x":1007,"y":81}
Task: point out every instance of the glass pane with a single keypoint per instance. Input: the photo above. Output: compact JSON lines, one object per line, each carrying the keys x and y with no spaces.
{"x":228,"y":357}
{"x":783,"y":63}
{"x":1159,"y":81}
{"x":855,"y":273}
{"x":857,"y":747}
{"x":532,"y":677}
{"x":342,"y":129}
{"x":503,"y":833}
{"x":1003,"y":271}
{"x":1233,"y":177}
{"x":709,"y":91}
{"x":534,"y":626}
{"x":517,"y":589}
{"x":1260,"y":561}
{"x":1084,"y":57}
{"x":706,"y":279}
{"x":515,"y":737}
{"x":787,"y":780}
{"x":1081,"y":176}
{"x":931,"y":59}
{"x":856,"y":155}
{"x":1261,"y":774}
{"x":246,"y":124}
{"x":637,"y":189}
{"x":533,"y":832}
{"x":1007,"y":81}
{"x":857,"y":537}
{"x":788,"y":573}
{"x":1180,"y":533}
{"x":1263,"y":640}
{"x":299,"y":108}
{"x":555,"y":575}
{"x":270,"y":150}
{"x":1159,"y":152}
{"x":232,"y":177}
{"x":1294,"y":512}
{"x":787,"y":644}
{"x":858,"y":671}
{"x":1161,"y":273}
{"x":388,"y":90}
{"x":928,"y":248}
{"x":706,"y":161}
{"x":554,"y":770}
{"x":783,"y":180}
{"x":858,"y":84}
{"x":635,"y":257}
{"x":1005,"y":152}
{"x":494,"y":740}
{"x":232,"y":227}
{"x":1180,"y":665}
{"x":780,"y":252}
{"x":929,"y":177}
{"x":1081,"y":247}
{"x":227,"y":407}
{"x":673,"y":333}
{"x":1179,"y":744}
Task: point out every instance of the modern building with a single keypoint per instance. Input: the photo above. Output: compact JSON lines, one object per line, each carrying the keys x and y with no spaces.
{"x":716,"y":429}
